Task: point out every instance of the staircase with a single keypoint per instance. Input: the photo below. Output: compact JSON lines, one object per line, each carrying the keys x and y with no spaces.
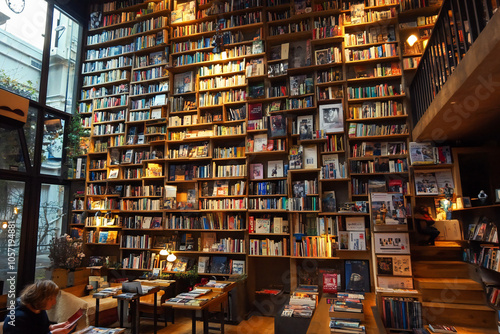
{"x":451,"y":292}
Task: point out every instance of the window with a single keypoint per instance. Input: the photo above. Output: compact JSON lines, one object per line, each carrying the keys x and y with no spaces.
{"x":64,"y":46}
{"x":21,"y":43}
{"x":52,"y":146}
{"x":11,"y":154}
{"x":11,"y":213}
{"x":49,"y":224}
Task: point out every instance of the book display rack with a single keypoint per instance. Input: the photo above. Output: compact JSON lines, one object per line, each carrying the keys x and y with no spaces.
{"x":243,"y":135}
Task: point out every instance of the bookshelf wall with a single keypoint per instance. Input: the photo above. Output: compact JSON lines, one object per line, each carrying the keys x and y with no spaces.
{"x":242,"y":159}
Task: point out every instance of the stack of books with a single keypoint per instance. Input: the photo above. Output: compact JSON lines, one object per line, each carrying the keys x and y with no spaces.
{"x":191,"y":298}
{"x":346,"y":313}
{"x":303,"y":302}
{"x":435,"y":328}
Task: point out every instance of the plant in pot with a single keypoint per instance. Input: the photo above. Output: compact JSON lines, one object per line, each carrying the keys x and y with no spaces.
{"x":66,"y":254}
{"x":190,"y":276}
{"x":78,"y":141}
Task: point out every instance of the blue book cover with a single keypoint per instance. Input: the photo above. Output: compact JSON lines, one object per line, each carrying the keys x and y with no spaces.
{"x":357,"y":276}
{"x":219,"y":265}
{"x":103,"y":237}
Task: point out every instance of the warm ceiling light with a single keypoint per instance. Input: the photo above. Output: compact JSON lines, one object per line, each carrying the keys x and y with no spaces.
{"x":412,"y":39}
{"x":164,"y":252}
{"x":171,"y":257}
{"x":16,"y":210}
{"x":5,"y":224}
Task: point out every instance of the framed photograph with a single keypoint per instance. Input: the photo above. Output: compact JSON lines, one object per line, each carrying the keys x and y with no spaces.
{"x":113,"y":173}
{"x":305,"y":126}
{"x":275,"y":168}
{"x":468,"y":204}
{"x":426,"y":183}
{"x":321,"y":57}
{"x":331,"y":118}
{"x":183,"y":83}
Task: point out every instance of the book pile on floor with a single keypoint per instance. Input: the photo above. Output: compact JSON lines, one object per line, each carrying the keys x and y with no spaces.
{"x":303,"y":302}
{"x":191,"y":298}
{"x":346,"y":313}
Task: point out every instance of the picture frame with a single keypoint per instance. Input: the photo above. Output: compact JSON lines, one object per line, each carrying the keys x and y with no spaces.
{"x":497,"y":195}
{"x":468,"y":203}
{"x":331,"y":118}
{"x":321,"y":57}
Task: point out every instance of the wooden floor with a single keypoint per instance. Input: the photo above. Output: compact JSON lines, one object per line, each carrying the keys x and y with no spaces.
{"x":260,"y":325}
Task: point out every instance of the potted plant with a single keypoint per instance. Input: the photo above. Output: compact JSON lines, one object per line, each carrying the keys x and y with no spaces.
{"x":77,"y":143}
{"x":66,"y":254}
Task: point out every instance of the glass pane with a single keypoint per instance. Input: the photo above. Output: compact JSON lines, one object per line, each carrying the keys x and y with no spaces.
{"x":11,"y":216}
{"x":49,"y":224}
{"x":30,"y":132}
{"x":52,"y":146}
{"x":62,"y":68}
{"x":11,"y":154}
{"x":22,"y":37}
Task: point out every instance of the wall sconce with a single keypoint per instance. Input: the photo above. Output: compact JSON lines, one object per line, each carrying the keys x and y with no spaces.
{"x":412,"y":39}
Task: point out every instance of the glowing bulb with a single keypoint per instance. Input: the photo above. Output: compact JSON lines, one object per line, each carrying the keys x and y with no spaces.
{"x":16,"y":210}
{"x":171,"y":258}
{"x":425,"y":43}
{"x":412,"y":39}
{"x":164,"y":252}
{"x":5,"y":224}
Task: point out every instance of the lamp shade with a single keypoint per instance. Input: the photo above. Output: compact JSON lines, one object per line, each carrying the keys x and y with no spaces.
{"x":412,"y":39}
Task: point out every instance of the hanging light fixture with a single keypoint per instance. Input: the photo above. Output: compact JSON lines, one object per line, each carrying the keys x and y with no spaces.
{"x":171,"y":257}
{"x":412,"y":39}
{"x":164,"y":252}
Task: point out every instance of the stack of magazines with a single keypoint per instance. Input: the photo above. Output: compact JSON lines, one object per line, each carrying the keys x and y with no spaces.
{"x":346,"y":313}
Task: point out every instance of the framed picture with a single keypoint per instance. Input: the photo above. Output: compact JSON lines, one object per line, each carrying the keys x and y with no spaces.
{"x":113,"y":173}
{"x":426,"y":183}
{"x":331,"y":118}
{"x":321,"y":57}
{"x":275,"y":168}
{"x":468,"y":204}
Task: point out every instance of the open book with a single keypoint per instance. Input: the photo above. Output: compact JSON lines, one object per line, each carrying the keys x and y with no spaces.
{"x":74,"y":318}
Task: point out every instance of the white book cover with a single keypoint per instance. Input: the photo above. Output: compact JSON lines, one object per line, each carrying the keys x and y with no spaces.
{"x":355,"y":223}
{"x":262,"y":225}
{"x":275,"y":168}
{"x":331,"y":118}
{"x":392,"y":243}
{"x":277,"y":225}
{"x":331,"y":159}
{"x":357,"y":240}
{"x":238,"y":267}
{"x":305,"y":126}
{"x":310,"y":156}
{"x":260,"y":142}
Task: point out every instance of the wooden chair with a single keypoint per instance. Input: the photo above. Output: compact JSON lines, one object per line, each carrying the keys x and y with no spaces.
{"x":146,"y":306}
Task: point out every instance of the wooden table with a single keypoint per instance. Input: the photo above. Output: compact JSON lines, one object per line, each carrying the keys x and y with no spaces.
{"x":134,"y":307}
{"x":320,"y":322}
{"x":216,"y":299}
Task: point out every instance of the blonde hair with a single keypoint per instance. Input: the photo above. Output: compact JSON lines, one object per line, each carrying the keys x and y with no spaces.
{"x":36,"y":294}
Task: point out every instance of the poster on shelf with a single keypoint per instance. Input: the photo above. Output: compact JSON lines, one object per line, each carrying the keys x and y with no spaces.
{"x":392,"y":243}
{"x":387,"y":209}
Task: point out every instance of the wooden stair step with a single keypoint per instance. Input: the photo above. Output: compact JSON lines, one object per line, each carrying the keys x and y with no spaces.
{"x":430,"y":262}
{"x":476,"y":316}
{"x":443,"y":269}
{"x":447,"y":283}
{"x":474,"y":330}
{"x":458,"y":306}
{"x":454,"y":296}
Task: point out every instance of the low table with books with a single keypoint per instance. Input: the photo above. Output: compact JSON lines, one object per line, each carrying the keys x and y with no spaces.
{"x":201,"y":299}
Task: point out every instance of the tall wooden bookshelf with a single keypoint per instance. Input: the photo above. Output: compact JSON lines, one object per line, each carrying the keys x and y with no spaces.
{"x":191,"y":147}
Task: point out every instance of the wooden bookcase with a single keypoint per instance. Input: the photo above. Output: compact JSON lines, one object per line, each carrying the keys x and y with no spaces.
{"x":165,"y":113}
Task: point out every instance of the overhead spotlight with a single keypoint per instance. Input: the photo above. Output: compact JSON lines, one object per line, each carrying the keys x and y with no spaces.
{"x":412,"y":39}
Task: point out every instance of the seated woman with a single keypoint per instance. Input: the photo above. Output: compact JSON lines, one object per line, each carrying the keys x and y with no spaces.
{"x":31,"y":316}
{"x":423,"y":223}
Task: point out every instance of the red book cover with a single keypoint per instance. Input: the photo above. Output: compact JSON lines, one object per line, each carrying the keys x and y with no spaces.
{"x":251,"y":225}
